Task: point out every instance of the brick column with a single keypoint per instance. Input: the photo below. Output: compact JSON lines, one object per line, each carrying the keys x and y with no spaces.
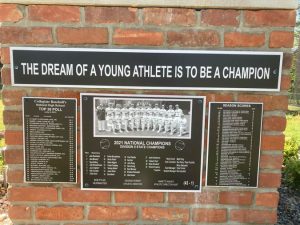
{"x":143,"y":27}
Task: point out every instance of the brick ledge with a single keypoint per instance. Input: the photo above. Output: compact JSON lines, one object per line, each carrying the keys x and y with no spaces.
{"x":233,"y":4}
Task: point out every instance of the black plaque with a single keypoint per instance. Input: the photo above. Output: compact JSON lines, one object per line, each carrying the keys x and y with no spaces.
{"x":132,"y":142}
{"x":49,"y":139}
{"x":146,"y":69}
{"x":234,"y":144}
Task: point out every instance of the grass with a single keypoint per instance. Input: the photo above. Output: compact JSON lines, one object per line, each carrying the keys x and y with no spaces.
{"x":294,"y":108}
{"x":293,"y":127}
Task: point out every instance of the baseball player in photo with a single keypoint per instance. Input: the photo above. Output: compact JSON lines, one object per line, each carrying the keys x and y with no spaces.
{"x":125,"y":117}
{"x":137,"y":120}
{"x":182,"y":125}
{"x":149,"y":119}
{"x":118,"y":118}
{"x":167,"y":123}
{"x":170,"y":112}
{"x":100,"y":111}
{"x":144,"y":116}
{"x":131,"y":112}
{"x":110,"y":121}
{"x":155,"y":117}
{"x":161,"y":122}
{"x":177,"y":117}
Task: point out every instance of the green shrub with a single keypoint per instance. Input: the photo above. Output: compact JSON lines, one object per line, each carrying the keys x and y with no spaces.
{"x":1,"y":159}
{"x":292,"y":173}
{"x":291,"y":149}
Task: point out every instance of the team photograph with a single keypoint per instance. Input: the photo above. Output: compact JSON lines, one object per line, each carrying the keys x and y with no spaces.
{"x":142,"y":117}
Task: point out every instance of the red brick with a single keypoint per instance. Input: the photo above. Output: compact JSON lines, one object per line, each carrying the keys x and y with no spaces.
{"x":132,"y":197}
{"x":274,"y":18}
{"x":223,"y":97}
{"x":137,"y":37}
{"x":193,"y":38}
{"x":219,"y":17}
{"x":84,"y":35}
{"x":267,"y":199}
{"x":12,"y":97}
{"x":274,"y":123}
{"x":285,"y":82}
{"x":242,"y":39}
{"x":13,"y":137}
{"x":165,"y":214}
{"x":22,"y":35}
{"x":281,"y":39}
{"x":77,"y":195}
{"x":5,"y":76}
{"x":5,"y":56}
{"x":210,"y":215}
{"x":112,"y":213}
{"x":272,"y":142}
{"x":88,"y":224}
{"x":12,"y":156}
{"x":45,"y":194}
{"x":271,"y":102}
{"x":15,"y":176}
{"x":287,"y":60}
{"x":59,"y":213}
{"x":216,"y":97}
{"x":253,"y":216}
{"x":70,"y":94}
{"x":10,"y":13}
{"x":236,"y":197}
{"x":19,"y":212}
{"x":208,"y":197}
{"x":45,"y":93}
{"x":110,"y":15}
{"x":205,"y":197}
{"x":169,"y":16}
{"x":53,"y":13}
{"x":12,"y":117}
{"x":271,"y":161}
{"x":269,"y":180}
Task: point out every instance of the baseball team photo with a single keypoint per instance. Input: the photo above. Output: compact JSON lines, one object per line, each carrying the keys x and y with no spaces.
{"x":142,"y":117}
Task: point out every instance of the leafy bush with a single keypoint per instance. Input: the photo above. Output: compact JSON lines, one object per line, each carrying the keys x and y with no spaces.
{"x":291,"y":149}
{"x":292,"y":173}
{"x":1,"y":159}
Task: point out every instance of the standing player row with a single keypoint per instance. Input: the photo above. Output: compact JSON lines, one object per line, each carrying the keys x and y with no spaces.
{"x":141,"y":117}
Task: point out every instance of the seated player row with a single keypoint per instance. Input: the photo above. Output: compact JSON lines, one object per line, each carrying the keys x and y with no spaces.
{"x":144,"y":118}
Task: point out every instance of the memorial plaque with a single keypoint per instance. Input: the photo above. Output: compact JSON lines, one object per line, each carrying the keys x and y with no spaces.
{"x":49,"y":139}
{"x":234,"y":144}
{"x":146,"y":69}
{"x":141,"y":142}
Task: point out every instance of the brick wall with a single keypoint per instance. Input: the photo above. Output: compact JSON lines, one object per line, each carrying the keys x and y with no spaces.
{"x":162,"y":28}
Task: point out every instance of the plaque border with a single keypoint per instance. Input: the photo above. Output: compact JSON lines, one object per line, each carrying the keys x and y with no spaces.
{"x":259,"y":148}
{"x":141,"y":95}
{"x":76,"y":164}
{"x":165,"y":51}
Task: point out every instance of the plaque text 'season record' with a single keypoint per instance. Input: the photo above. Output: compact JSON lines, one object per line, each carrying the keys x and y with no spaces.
{"x":146,"y":69}
{"x":142,"y":142}
{"x":234,"y":144}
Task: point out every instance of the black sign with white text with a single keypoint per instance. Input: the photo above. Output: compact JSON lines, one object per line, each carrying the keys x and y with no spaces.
{"x":50,"y":140}
{"x":146,"y":69}
{"x":142,"y":142}
{"x":234,"y":144}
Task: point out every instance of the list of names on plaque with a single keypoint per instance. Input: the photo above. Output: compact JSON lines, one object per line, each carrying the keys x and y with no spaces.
{"x":50,"y":139}
{"x":234,"y":142}
{"x":132,"y":142}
